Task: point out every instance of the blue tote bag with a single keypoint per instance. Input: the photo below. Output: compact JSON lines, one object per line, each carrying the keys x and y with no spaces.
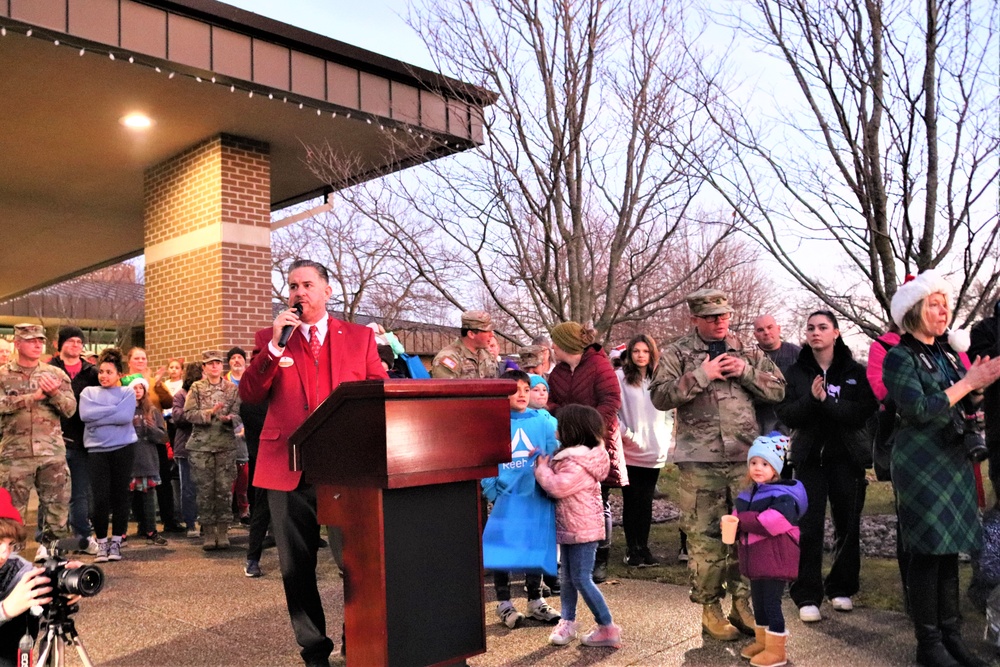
{"x":520,"y":534}
{"x":415,"y":367}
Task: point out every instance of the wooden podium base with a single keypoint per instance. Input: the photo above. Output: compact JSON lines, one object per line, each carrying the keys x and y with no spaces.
{"x":413,"y":589}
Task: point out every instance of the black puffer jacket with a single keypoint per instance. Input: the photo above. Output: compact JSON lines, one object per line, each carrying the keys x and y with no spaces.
{"x":72,"y":427}
{"x":835,"y":427}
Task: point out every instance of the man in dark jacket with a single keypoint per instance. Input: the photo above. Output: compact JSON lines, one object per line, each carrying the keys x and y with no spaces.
{"x":82,"y":374}
{"x":984,"y":344}
{"x":768,"y":334}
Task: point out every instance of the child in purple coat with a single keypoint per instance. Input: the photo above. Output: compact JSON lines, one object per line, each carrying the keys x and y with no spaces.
{"x":768,"y":541}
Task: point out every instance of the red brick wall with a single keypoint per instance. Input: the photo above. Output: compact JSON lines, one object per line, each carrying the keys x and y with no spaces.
{"x":216,"y":296}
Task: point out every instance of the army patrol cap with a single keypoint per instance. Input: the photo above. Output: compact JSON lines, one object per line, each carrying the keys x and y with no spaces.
{"x":212,"y":355}
{"x":707,"y":302}
{"x":477,"y":319}
{"x":530,"y":356}
{"x":28,"y":331}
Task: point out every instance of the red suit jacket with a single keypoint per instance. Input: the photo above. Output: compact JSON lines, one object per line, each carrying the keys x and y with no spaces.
{"x":353,"y":356}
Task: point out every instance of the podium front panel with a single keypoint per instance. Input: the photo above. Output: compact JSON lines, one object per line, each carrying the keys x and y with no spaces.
{"x":433,"y":561}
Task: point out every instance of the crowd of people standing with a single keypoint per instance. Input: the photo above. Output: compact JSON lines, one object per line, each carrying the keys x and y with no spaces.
{"x":770,"y":434}
{"x":789,"y":430}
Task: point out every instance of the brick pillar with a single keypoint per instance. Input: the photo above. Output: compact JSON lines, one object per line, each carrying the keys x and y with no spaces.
{"x":207,"y":215}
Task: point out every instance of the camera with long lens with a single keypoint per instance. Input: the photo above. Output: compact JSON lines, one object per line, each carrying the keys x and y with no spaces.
{"x":85,"y":581}
{"x":968,"y":421}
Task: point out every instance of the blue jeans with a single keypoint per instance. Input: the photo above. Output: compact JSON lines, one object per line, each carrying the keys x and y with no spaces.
{"x":79,"y":501}
{"x":577,"y":575}
{"x":189,"y":493}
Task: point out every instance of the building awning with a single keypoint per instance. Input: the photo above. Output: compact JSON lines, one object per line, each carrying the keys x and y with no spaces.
{"x":71,"y":175}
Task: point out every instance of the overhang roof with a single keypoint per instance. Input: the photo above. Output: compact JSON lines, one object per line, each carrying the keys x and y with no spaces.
{"x":71,"y":175}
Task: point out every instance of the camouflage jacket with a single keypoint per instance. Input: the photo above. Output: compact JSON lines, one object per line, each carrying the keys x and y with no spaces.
{"x":457,"y":362}
{"x":715,"y":421}
{"x":209,"y":433}
{"x":29,"y":427}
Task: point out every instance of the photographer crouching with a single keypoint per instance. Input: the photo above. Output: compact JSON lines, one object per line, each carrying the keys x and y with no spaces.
{"x":23,"y":586}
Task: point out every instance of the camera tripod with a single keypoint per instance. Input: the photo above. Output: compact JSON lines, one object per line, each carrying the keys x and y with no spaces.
{"x":58,"y":633}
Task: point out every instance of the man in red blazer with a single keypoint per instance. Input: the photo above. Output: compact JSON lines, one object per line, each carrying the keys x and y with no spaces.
{"x":321,"y":353}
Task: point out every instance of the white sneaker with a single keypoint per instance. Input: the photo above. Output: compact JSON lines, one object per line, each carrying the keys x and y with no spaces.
{"x":842,"y":604}
{"x":41,"y":553}
{"x":564,"y":633}
{"x":511,"y":617}
{"x":102,"y":552}
{"x":91,"y":546}
{"x":541,"y":611}
{"x":810,"y":614}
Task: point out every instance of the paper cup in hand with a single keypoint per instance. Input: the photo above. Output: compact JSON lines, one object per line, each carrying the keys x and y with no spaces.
{"x":729,"y":523}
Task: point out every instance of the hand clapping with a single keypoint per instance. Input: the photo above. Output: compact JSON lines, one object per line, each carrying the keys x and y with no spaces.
{"x":819,"y":388}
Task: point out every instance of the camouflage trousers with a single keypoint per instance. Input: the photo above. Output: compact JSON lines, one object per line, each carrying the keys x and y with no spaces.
{"x":49,"y":476}
{"x":214,"y":474}
{"x":707,"y":491}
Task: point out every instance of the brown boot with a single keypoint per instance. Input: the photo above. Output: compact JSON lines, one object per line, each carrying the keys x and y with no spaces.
{"x":222,"y":536}
{"x":773,"y":654}
{"x":208,"y":533}
{"x":760,"y":631}
{"x":715,"y":625}
{"x":742,"y":618}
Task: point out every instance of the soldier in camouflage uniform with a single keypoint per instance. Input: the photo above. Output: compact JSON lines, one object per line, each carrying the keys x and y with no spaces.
{"x":33,"y":397}
{"x":212,"y":405}
{"x":713,"y":380}
{"x":468,"y":357}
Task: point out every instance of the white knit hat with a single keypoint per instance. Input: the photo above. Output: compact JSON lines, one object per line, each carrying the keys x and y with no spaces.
{"x":915,"y":290}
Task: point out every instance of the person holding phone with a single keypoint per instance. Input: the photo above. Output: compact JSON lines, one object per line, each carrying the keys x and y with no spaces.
{"x":713,"y":380}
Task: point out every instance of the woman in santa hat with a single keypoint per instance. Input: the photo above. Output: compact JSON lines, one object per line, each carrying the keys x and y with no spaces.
{"x":931,"y":471}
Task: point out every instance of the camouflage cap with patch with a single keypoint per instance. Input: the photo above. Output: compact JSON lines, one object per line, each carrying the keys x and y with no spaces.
{"x":29,"y":331}
{"x":477,"y":319}
{"x":707,"y":302}
{"x":530,"y":356}
{"x":212,"y":355}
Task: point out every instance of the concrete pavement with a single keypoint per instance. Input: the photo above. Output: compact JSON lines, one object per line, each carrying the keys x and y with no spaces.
{"x":178,"y":605}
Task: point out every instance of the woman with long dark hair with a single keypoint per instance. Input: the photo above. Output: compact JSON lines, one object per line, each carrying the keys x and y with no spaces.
{"x":827,"y":404}
{"x":107,"y":412}
{"x":647,"y":435}
{"x":151,"y":432}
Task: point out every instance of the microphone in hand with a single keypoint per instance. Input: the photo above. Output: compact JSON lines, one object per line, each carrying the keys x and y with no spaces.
{"x":287,"y":330}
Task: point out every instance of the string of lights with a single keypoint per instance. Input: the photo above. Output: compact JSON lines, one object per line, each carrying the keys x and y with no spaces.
{"x":235,"y":86}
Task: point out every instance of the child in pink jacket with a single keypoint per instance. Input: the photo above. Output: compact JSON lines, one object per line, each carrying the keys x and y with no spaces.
{"x":573,"y":477}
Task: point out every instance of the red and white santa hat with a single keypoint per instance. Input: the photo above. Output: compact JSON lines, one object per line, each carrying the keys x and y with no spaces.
{"x":916,"y":289}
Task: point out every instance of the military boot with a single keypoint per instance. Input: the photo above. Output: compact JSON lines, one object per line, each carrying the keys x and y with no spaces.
{"x":208,"y":534}
{"x":222,"y":536}
{"x":741,"y":616}
{"x":715,"y":625}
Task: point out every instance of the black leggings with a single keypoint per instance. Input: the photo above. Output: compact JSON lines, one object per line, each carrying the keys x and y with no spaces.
{"x":766,"y":596}
{"x":637,"y":505}
{"x":501,"y":584}
{"x":110,"y":474}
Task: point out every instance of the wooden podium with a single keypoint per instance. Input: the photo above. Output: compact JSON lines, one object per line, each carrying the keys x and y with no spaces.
{"x":397,"y":465}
